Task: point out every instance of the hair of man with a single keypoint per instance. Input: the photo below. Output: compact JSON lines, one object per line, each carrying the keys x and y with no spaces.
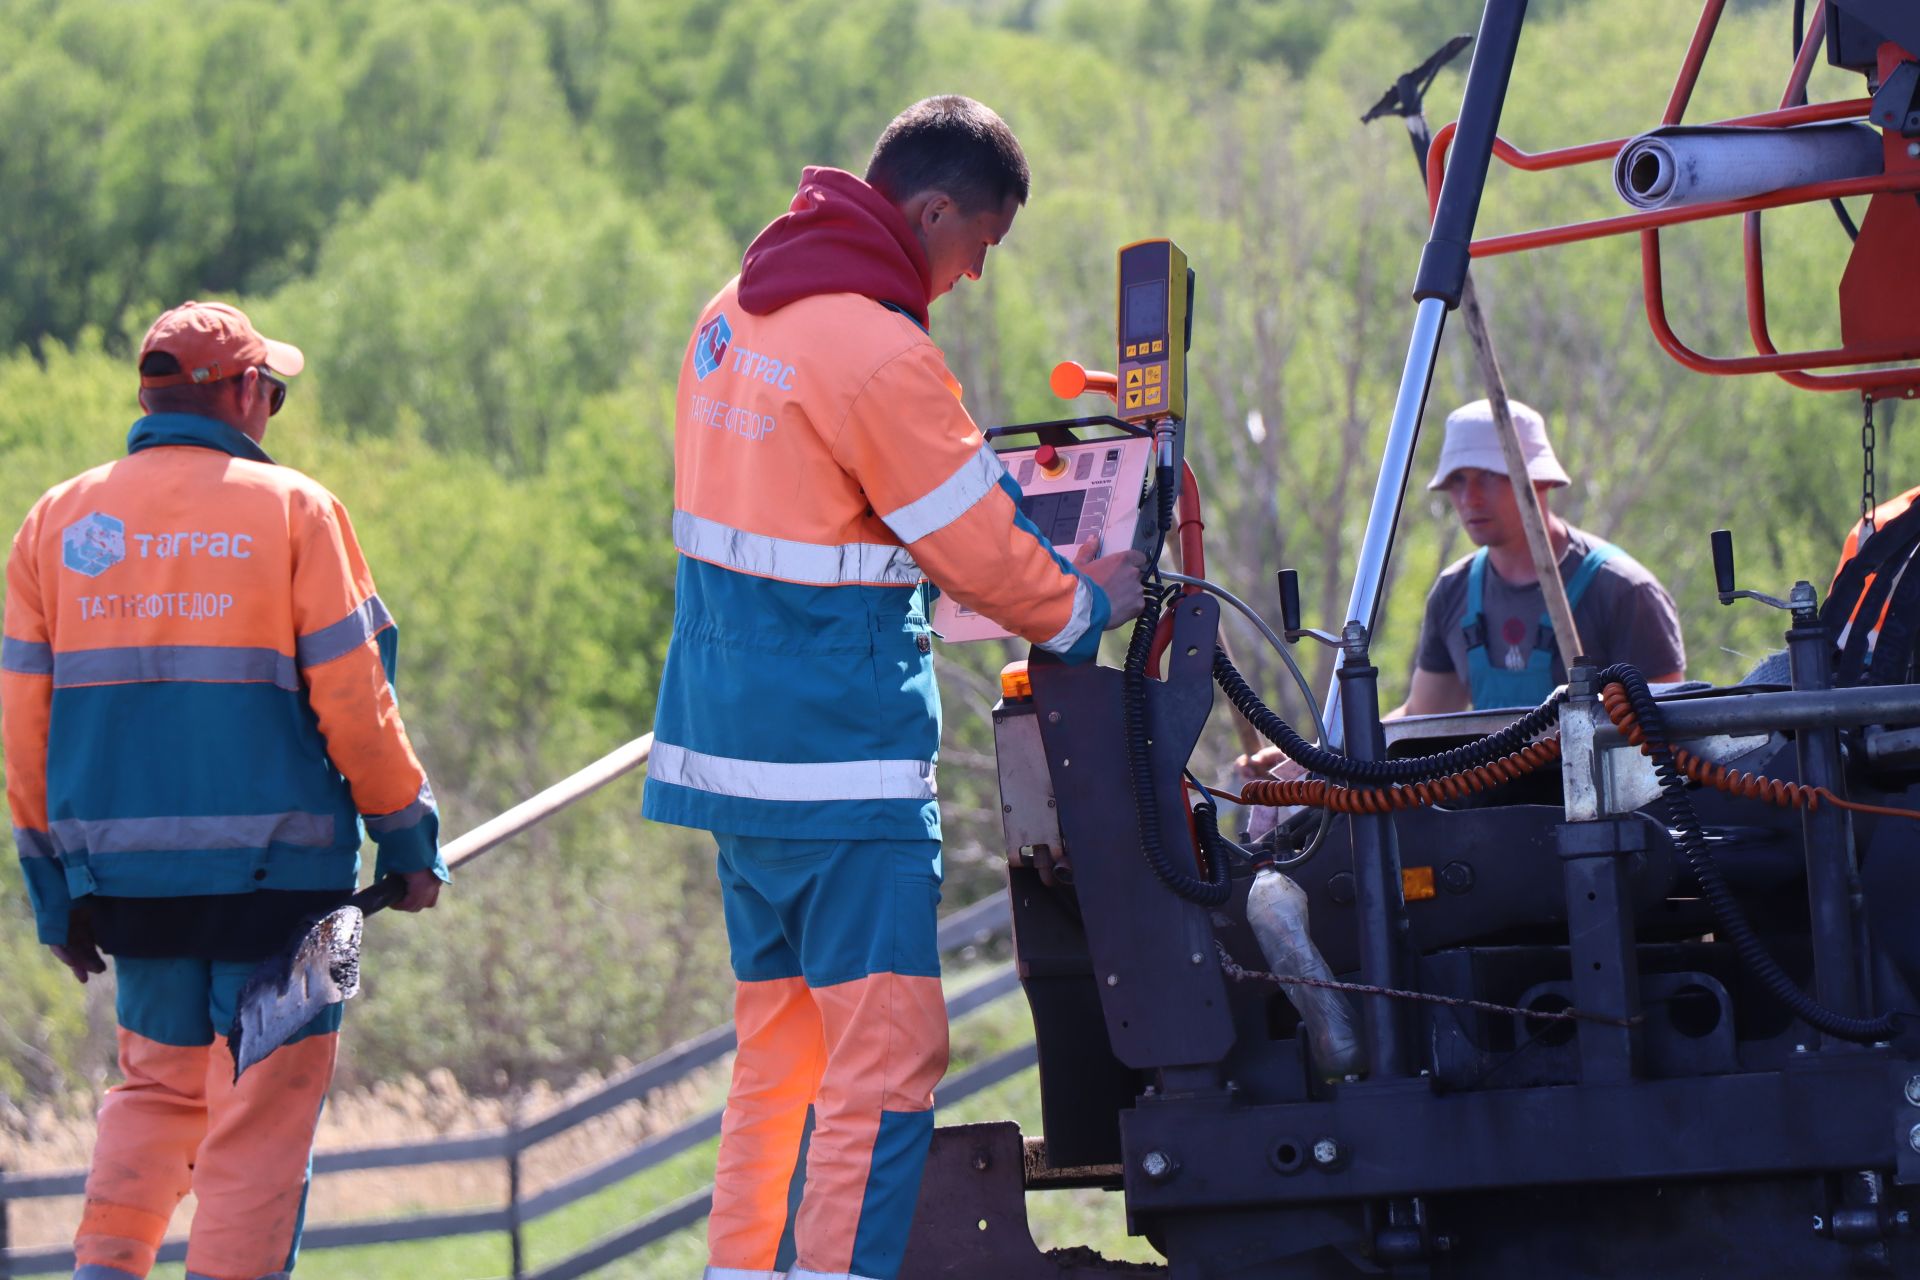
{"x":953,"y":144}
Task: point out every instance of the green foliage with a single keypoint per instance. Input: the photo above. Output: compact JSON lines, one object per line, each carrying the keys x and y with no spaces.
{"x":490,"y":226}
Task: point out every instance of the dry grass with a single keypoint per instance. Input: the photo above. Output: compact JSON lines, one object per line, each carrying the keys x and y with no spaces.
{"x":57,"y":1134}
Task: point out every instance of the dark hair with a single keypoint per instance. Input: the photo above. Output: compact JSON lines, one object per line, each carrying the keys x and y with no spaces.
{"x":951,"y":144}
{"x":187,"y":397}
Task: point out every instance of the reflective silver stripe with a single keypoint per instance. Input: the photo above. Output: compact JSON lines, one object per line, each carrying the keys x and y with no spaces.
{"x":167,"y":835}
{"x":808,"y":562}
{"x":190,"y":662}
{"x":26,"y":657}
{"x":195,"y":1275}
{"x":1077,"y":624}
{"x":797,"y":1274}
{"x":338,"y":639}
{"x":400,"y":819}
{"x":96,"y":1271}
{"x":952,"y":498}
{"x":32,"y":844}
{"x":766,"y":780}
{"x":734,"y":1273}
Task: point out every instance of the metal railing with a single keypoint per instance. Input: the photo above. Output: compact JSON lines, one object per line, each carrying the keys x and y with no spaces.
{"x":981,"y":922}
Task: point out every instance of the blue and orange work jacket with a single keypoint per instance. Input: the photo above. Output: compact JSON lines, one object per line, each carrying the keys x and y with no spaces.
{"x":196,"y":684}
{"x":824,"y":473}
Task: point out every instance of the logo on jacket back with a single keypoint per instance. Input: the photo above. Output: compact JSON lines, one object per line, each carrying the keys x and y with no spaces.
{"x":93,"y":544}
{"x":710,"y":346}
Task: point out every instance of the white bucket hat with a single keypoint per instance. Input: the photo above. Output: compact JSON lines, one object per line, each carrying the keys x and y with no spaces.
{"x":1474,"y":442}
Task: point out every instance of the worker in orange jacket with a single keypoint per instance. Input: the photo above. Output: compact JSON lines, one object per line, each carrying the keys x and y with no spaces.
{"x":826,"y":478}
{"x":198,"y":712}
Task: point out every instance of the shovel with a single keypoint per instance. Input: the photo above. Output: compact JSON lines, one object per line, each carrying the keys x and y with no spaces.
{"x":320,"y":965}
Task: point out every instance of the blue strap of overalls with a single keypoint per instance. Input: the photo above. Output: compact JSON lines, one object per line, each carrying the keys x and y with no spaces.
{"x":1493,"y":686}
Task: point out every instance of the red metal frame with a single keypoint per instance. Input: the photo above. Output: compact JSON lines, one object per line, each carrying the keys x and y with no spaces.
{"x":1902,"y":175}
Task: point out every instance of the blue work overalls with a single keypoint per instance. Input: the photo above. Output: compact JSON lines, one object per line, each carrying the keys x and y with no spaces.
{"x":1493,"y":686}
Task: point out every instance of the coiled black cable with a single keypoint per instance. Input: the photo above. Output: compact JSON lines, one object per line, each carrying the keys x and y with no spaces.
{"x":1733,"y":923}
{"x":1380,"y":773}
{"x":1215,"y":890}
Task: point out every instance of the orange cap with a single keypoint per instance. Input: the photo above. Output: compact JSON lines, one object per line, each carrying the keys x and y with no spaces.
{"x":212,"y":340}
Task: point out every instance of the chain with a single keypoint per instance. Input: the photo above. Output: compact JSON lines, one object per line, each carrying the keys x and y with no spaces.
{"x":1238,"y":974}
{"x":1867,"y":504}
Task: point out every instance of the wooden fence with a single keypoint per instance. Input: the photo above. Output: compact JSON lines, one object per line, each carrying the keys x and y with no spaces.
{"x":981,"y":922}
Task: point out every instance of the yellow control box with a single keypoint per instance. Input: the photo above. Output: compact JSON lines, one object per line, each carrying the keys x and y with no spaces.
{"x":1153,"y":331}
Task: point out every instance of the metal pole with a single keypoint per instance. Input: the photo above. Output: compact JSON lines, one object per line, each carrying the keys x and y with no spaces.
{"x":1379,"y":902}
{"x":1832,"y":876}
{"x":1437,"y":287}
{"x":1407,"y":100}
{"x":6,"y":1235}
{"x":1396,"y":464}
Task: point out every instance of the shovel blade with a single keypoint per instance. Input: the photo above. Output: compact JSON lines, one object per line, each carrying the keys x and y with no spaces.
{"x":318,"y":969}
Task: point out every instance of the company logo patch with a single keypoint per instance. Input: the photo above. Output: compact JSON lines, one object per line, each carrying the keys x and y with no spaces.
{"x":93,"y":544}
{"x":710,"y":346}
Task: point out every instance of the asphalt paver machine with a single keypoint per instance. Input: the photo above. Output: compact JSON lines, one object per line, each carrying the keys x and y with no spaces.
{"x":1627,"y":984}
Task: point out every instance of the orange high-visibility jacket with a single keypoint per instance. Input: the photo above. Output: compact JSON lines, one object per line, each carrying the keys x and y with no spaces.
{"x":824,"y":473}
{"x":195,"y":683}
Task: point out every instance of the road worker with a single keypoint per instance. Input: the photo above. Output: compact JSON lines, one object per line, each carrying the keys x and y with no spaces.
{"x":825,"y":474}
{"x":1487,"y":640}
{"x":196,"y":686}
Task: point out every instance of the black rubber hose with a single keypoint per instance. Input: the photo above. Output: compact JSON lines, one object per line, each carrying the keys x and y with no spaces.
{"x":1212,"y":892}
{"x":1380,"y":773}
{"x":1732,"y":921}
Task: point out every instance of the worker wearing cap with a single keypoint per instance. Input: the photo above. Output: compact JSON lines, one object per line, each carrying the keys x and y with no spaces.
{"x":824,"y":473}
{"x":199,"y":717}
{"x":1487,"y":640}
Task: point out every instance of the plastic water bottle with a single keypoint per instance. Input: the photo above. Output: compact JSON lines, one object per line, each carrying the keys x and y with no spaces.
{"x":1277,"y":910}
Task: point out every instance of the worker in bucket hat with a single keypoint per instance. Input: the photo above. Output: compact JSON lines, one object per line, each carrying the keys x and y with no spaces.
{"x":198,"y":714}
{"x":1487,"y":640}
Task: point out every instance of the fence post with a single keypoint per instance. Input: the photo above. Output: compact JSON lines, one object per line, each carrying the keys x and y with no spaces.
{"x":6,"y":1237}
{"x":515,"y":1239}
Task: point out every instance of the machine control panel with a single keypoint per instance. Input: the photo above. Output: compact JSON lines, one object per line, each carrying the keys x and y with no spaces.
{"x":1074,"y":489}
{"x":1071,"y":492}
{"x":1153,"y":331}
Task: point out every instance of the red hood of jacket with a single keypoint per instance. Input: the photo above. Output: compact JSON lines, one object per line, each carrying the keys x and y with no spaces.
{"x":838,"y":236}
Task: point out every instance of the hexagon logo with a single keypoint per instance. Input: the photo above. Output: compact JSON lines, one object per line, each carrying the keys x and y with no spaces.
{"x":93,"y":544}
{"x":710,"y":346}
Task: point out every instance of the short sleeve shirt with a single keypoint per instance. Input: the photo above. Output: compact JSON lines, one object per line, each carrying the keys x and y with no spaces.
{"x":1624,"y":616}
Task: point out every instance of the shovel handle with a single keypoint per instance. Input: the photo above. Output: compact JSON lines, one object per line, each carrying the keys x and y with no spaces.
{"x":379,"y":895}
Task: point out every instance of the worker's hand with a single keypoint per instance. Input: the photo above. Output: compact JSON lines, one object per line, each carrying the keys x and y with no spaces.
{"x":1118,"y":575}
{"x":80,"y":953}
{"x":1269,"y":762}
{"x":423,"y":890}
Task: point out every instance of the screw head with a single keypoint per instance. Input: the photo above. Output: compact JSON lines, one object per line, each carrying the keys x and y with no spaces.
{"x":1113,"y":979}
{"x":982,"y":1159}
{"x":1913,"y":1090}
{"x":1053,"y":717}
{"x":1158,"y":1165}
{"x":1197,"y":958}
{"x":1913,"y":1137}
{"x":1327,"y":1152}
{"x":1913,"y":148}
{"x":1903,"y":1219}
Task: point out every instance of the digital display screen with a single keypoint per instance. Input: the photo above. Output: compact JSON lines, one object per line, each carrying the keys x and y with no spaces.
{"x":1057,"y":515}
{"x":1146,"y":317}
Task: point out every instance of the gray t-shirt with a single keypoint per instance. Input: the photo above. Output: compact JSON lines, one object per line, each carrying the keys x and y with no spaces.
{"x":1625,"y":616}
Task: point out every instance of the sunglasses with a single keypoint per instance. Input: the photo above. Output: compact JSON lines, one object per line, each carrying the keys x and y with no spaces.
{"x":276,"y":391}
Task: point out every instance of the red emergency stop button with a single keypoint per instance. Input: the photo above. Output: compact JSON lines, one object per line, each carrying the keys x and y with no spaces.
{"x":1051,"y":463}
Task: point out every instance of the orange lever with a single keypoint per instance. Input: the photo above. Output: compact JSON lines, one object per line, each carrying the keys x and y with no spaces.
{"x":1071,"y":379}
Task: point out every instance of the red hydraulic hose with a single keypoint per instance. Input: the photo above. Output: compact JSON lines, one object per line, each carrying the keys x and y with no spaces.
{"x":1190,"y":530}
